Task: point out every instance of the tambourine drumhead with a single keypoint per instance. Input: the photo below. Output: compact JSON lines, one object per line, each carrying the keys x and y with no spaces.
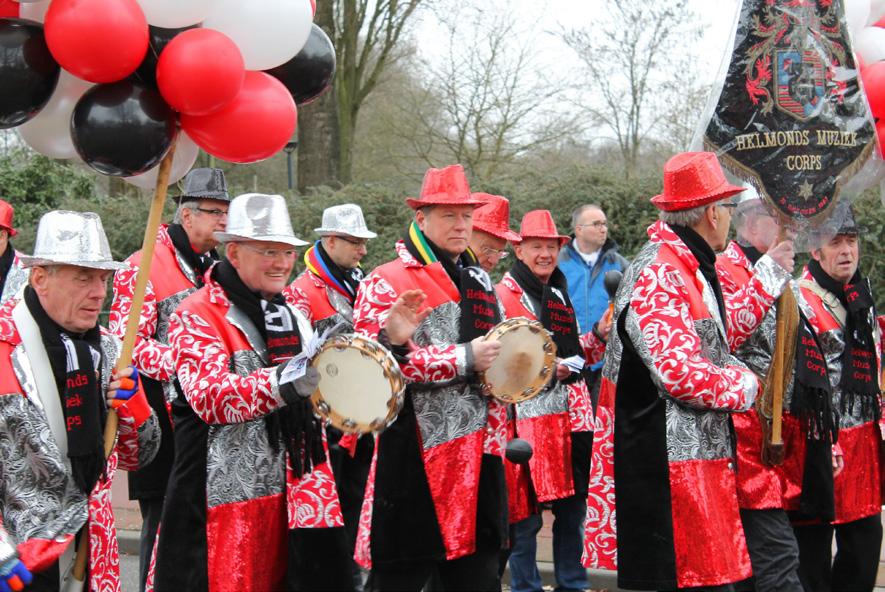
{"x":361,"y":387}
{"x":526,"y":361}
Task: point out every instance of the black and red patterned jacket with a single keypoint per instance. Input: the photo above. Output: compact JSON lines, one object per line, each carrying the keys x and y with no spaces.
{"x":226,"y":512}
{"x":41,"y":509}
{"x":546,"y":421}
{"x":446,"y":419}
{"x":671,"y":433}
{"x":858,"y":488}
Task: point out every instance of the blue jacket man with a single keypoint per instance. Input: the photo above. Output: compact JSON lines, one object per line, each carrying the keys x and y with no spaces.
{"x":584,"y":261}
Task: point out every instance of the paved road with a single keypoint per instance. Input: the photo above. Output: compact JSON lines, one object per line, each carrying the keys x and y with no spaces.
{"x":129,"y":572}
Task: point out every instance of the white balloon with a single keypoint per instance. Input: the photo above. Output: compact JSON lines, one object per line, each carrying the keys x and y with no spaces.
{"x":34,"y":11}
{"x":877,"y":11}
{"x":869,"y":44}
{"x":856,"y":13}
{"x":174,"y":14}
{"x":268,"y":32}
{"x":186,"y":152}
{"x":49,"y":132}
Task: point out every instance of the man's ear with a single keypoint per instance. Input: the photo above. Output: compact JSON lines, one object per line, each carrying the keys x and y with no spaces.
{"x":232,"y":253}
{"x":712,"y":215}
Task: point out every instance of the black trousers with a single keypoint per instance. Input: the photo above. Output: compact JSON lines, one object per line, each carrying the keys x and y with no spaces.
{"x":857,"y":555}
{"x":774,"y":552}
{"x":477,"y":572}
{"x":151,"y":511}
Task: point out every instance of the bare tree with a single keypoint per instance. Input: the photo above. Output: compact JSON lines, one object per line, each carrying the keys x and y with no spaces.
{"x":631,"y":59}
{"x":366,"y":35}
{"x":486,"y":101}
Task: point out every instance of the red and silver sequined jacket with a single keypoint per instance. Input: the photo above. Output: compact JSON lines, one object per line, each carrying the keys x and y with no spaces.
{"x":761,"y":486}
{"x":546,"y":420}
{"x":241,"y":521}
{"x":41,"y":508}
{"x":172,"y":280}
{"x":858,"y":488}
{"x":456,"y":423}
{"x":683,"y":373}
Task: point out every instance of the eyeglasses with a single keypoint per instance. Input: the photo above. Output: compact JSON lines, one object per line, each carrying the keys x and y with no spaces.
{"x":214,"y":212}
{"x":728,"y":205}
{"x":595,"y":224}
{"x":491,"y":252}
{"x":272,"y":253}
{"x":354,"y":241}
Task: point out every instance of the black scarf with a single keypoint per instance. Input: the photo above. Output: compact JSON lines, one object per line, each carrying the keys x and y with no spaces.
{"x":6,"y":260}
{"x":555,"y":310}
{"x":752,"y":253}
{"x":703,"y":252}
{"x":199,"y":262}
{"x":74,"y":359}
{"x":349,"y":278}
{"x":860,"y":372}
{"x":294,"y":423}
{"x":812,"y":396}
{"x":479,"y":303}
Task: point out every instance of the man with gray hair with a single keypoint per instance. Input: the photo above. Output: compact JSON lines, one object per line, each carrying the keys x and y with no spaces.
{"x":585,"y":260}
{"x":183,"y":253}
{"x":676,"y":386}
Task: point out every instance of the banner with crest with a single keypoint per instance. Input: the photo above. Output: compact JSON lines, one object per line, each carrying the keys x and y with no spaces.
{"x":791,"y":117}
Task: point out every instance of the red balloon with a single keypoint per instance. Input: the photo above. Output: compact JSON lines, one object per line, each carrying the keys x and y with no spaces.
{"x":200,"y":71}
{"x":313,"y":7}
{"x":873,"y":77}
{"x":255,"y":125}
{"x":880,"y":23}
{"x":97,"y":40}
{"x":8,"y":9}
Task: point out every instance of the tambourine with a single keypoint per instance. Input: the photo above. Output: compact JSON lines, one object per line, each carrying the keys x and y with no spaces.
{"x":361,"y":387}
{"x":526,"y":362}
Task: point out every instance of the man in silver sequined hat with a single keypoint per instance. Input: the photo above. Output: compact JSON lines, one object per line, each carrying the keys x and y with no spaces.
{"x":57,"y":381}
{"x":183,"y":253}
{"x":247,"y":437}
{"x":326,"y":292}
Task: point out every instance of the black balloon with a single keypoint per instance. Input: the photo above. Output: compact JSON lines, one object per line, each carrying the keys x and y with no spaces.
{"x":159,"y":39}
{"x":122,"y":129}
{"x":309,"y":74}
{"x":28,"y":72}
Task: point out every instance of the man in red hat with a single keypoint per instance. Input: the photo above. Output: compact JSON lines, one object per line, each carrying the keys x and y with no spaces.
{"x":558,"y":423}
{"x":491,"y":230}
{"x":12,"y":275}
{"x":838,"y":302}
{"x":184,"y":251}
{"x":677,"y":385}
{"x":436,"y":497}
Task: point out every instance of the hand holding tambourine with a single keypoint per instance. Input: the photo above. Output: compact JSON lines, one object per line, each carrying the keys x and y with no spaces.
{"x":524,"y":362}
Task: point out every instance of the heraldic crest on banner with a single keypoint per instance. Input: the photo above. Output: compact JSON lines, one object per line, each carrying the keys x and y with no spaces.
{"x":791,"y":116}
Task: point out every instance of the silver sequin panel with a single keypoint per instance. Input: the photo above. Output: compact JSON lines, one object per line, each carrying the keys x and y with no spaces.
{"x":446,"y":411}
{"x":550,"y":401}
{"x":15,"y":279}
{"x":240,"y":463}
{"x":342,"y":305}
{"x":165,"y":308}
{"x":39,"y":498}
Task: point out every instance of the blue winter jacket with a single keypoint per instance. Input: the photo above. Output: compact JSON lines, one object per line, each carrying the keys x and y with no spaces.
{"x":585,"y":283}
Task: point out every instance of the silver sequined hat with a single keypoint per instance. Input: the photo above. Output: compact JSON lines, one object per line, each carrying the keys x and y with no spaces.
{"x":347,"y":220}
{"x":259,"y":217}
{"x":72,"y":238}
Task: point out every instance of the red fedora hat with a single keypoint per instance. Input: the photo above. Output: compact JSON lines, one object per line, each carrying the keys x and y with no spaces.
{"x":540,"y":224}
{"x":6,"y":213}
{"x":493,"y":216}
{"x":691,"y":180}
{"x":446,"y":186}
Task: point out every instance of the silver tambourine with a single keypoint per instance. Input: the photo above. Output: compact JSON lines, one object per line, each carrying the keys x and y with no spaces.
{"x":361,"y":387}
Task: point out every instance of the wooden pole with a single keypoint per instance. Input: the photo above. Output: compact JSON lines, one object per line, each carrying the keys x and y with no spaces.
{"x":125,"y":359}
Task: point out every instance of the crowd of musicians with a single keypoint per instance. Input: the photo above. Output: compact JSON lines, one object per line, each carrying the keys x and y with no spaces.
{"x":686,"y":464}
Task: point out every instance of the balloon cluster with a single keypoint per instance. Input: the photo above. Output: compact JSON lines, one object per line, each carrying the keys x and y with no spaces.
{"x":116,"y":82}
{"x":866,"y":22}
